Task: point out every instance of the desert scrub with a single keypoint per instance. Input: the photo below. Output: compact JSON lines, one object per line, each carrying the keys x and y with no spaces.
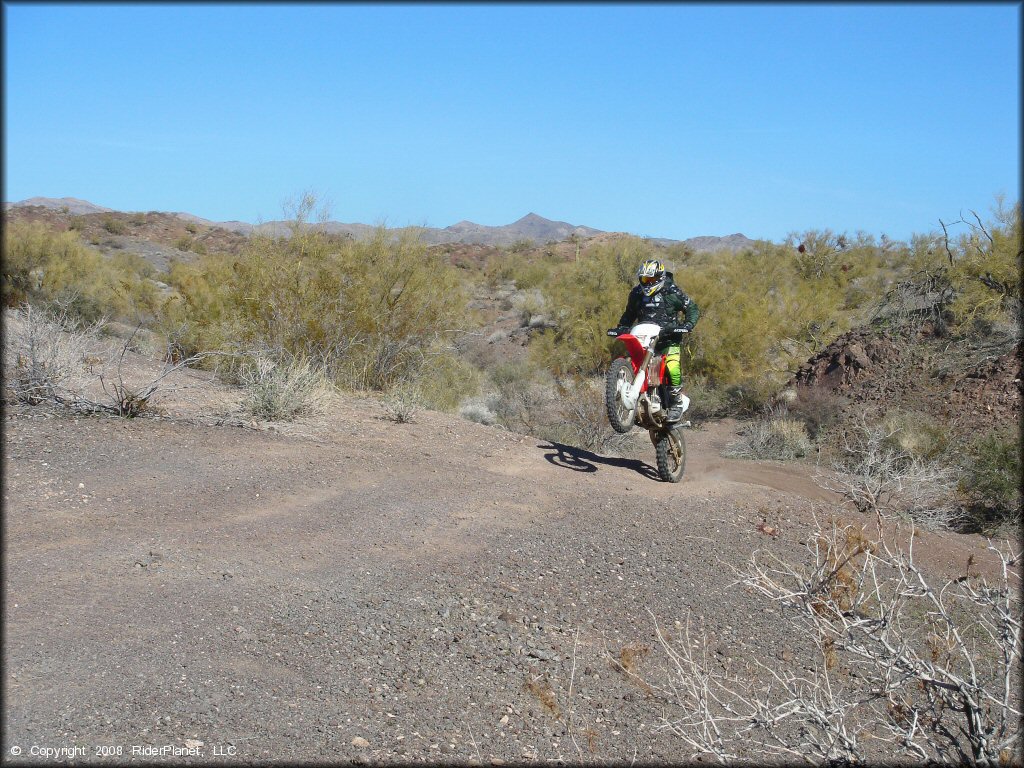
{"x":56,"y":270}
{"x":588,"y":297}
{"x":403,"y":403}
{"x":280,"y":391}
{"x":991,"y":480}
{"x":706,"y":400}
{"x":917,"y":434}
{"x":114,"y":226}
{"x":882,"y":478}
{"x":480,"y":409}
{"x":777,"y":436}
{"x":189,"y":243}
{"x":818,"y":408}
{"x":46,"y":356}
{"x":444,"y":380}
{"x":365,"y":311}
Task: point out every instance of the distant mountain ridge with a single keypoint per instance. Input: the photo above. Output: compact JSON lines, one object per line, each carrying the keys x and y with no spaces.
{"x":532,"y":227}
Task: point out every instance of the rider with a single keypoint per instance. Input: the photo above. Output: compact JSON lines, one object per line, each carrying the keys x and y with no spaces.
{"x":657,"y":299}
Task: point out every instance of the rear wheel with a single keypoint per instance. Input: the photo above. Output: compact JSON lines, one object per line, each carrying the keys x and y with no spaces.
{"x":670,"y":448}
{"x":619,"y":376}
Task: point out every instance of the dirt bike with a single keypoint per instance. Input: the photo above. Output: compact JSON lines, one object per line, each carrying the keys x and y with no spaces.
{"x":635,"y":389}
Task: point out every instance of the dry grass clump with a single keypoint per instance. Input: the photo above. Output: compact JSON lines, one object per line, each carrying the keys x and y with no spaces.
{"x":403,"y":403}
{"x":916,"y":434}
{"x":778,"y":437}
{"x":280,"y":391}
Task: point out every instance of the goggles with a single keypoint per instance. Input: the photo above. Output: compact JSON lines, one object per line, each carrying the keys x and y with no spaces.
{"x":647,"y":280}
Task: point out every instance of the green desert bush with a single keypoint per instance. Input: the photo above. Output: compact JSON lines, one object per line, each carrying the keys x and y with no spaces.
{"x":189,"y":243}
{"x":444,"y":380}
{"x":368,"y":312}
{"x":588,"y":297}
{"x":759,"y":318}
{"x":114,"y":226}
{"x":991,"y":481}
{"x":56,"y":270}
{"x":985,"y":270}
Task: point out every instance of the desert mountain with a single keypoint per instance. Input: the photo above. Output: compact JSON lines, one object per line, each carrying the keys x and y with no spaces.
{"x":72,"y":204}
{"x":530,"y":227}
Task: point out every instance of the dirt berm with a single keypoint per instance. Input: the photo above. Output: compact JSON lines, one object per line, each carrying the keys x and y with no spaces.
{"x":348,"y":588}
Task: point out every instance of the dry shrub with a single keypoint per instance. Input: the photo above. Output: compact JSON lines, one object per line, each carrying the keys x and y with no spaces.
{"x":908,"y":669}
{"x":582,"y":417}
{"x":280,"y":391}
{"x":778,"y":437}
{"x":916,"y":434}
{"x":46,"y":354}
{"x":402,"y":403}
{"x":818,"y":408}
{"x":707,"y":401}
{"x":880,"y":477}
{"x":480,"y":410}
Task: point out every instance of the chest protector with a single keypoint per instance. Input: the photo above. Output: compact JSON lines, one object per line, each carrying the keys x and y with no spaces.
{"x":654,"y":309}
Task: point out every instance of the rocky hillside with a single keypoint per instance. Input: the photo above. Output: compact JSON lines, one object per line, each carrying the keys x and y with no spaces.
{"x":970,"y":385}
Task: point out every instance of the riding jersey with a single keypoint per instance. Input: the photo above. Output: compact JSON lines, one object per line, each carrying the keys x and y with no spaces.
{"x":661,"y":308}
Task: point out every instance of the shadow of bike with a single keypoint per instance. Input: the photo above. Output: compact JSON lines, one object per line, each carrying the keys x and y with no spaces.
{"x":580,"y":460}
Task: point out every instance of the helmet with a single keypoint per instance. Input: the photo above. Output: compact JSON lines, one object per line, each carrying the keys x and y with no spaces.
{"x":651,"y":275}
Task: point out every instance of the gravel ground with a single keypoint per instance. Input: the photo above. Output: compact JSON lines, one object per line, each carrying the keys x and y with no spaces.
{"x":350,"y":589}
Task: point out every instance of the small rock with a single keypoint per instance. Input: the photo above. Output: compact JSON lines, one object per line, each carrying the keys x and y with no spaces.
{"x":359,"y":741}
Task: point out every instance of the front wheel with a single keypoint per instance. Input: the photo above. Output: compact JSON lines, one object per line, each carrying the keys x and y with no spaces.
{"x":670,"y":448}
{"x":619,"y":376}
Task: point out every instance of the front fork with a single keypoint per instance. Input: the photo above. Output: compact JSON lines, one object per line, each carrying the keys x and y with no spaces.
{"x":632,"y":392}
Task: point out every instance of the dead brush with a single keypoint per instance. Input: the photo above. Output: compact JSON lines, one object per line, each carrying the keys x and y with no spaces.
{"x":540,"y":688}
{"x":628,"y":662}
{"x":838,"y":585}
{"x":937,"y":666}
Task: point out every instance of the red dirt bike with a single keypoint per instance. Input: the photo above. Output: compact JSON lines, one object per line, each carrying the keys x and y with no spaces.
{"x":635,"y":389}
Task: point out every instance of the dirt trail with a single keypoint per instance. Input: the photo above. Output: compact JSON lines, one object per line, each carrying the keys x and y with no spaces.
{"x":350,"y":588}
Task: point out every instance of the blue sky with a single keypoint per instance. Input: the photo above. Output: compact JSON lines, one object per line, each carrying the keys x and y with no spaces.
{"x":661,"y":120}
